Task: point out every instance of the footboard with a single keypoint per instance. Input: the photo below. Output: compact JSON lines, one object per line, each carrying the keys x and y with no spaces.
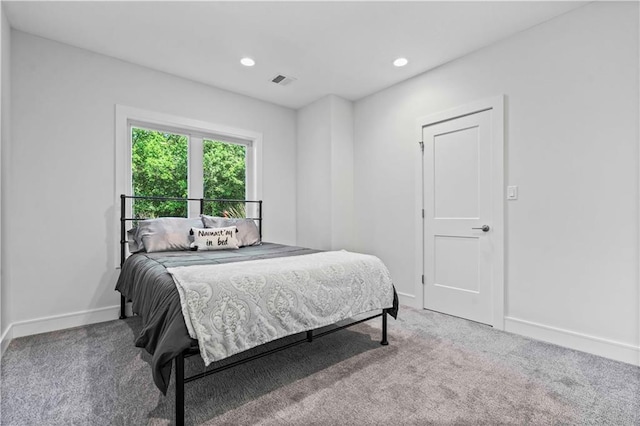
{"x":180,"y":379}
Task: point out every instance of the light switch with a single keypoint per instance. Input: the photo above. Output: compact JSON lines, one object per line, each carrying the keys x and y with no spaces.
{"x":512,"y":192}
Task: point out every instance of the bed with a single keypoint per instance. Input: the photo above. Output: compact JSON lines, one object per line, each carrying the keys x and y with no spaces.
{"x":160,"y":285}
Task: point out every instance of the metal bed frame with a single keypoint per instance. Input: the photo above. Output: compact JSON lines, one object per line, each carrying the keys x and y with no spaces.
{"x":180,"y":378}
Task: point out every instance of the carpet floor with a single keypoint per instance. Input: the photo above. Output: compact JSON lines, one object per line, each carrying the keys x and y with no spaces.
{"x":437,"y":369}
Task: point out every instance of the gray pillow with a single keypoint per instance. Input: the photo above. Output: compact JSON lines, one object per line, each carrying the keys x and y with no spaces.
{"x":248,"y":234}
{"x":134,"y":241}
{"x":166,"y":233}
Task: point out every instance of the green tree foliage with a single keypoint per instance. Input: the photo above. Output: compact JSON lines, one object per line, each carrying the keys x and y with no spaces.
{"x":160,"y":168}
{"x":224,"y":169}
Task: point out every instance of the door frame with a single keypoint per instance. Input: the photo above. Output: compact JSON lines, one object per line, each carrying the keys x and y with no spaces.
{"x":498,"y":205}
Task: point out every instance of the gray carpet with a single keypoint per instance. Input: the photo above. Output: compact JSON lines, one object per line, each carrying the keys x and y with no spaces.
{"x":436,"y":370}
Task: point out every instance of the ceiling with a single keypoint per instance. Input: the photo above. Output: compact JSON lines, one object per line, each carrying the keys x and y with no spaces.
{"x":341,"y":48}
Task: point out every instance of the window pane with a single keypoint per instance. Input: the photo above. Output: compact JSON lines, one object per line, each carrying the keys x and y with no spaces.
{"x":159,"y":168}
{"x":224,"y":170}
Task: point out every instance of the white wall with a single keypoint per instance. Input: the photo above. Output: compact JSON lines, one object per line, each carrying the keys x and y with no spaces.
{"x":313,"y":159}
{"x":5,"y":96}
{"x":571,"y":141}
{"x":341,"y":173}
{"x":325,"y":174}
{"x":59,"y":208}
{"x":571,"y":87}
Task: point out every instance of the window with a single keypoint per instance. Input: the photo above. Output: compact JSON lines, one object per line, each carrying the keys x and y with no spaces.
{"x":160,"y":168}
{"x":164,"y":155}
{"x":224,"y":176}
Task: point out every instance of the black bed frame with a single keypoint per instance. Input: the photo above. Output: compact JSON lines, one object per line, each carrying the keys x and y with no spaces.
{"x":180,"y":379}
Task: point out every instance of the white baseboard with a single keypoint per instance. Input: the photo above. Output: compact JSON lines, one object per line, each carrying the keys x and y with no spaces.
{"x":406,"y":299}
{"x":6,"y":339}
{"x":595,"y":345}
{"x":60,"y":322}
{"x":570,"y":339}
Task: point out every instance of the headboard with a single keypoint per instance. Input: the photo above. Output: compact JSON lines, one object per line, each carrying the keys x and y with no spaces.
{"x":202,"y":202}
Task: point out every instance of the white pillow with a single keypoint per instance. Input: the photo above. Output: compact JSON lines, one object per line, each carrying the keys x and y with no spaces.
{"x":248,"y":234}
{"x":215,"y":238}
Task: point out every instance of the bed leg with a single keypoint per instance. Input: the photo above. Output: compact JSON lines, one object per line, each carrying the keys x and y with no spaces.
{"x":180,"y":390}
{"x":122,"y":303}
{"x":310,"y":336}
{"x":384,"y":341}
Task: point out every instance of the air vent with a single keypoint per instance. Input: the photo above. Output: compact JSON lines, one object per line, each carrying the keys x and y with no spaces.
{"x":282,"y":80}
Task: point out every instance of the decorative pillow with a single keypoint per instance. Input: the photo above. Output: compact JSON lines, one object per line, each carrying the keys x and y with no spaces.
{"x":166,"y":233}
{"x":215,"y":238}
{"x":248,"y":234}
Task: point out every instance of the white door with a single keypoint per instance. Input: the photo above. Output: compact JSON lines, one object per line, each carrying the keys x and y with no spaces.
{"x":458,"y":222}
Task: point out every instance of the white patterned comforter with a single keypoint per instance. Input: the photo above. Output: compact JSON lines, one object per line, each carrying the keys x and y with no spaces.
{"x":233,"y":307}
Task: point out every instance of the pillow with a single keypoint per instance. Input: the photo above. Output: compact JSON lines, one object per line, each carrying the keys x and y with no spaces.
{"x":215,"y":238}
{"x":134,"y":241}
{"x":248,"y":234}
{"x":166,"y":233}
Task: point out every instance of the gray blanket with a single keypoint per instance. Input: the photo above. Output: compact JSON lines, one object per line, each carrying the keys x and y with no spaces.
{"x":145,"y":281}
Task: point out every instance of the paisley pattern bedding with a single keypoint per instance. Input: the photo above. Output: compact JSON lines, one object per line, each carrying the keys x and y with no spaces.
{"x":233,"y":307}
{"x":144,"y":280}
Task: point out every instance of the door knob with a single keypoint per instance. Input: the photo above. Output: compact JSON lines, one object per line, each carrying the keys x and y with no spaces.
{"x":485,"y":228}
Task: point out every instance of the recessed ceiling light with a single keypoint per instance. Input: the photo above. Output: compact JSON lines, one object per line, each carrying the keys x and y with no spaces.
{"x":247,"y":62}
{"x":400,"y":62}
